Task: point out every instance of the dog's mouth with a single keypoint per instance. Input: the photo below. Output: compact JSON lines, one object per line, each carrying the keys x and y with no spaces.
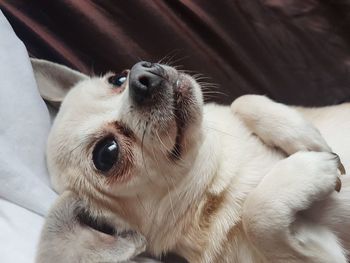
{"x":182,"y":99}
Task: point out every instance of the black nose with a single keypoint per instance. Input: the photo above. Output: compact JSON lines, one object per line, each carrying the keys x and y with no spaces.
{"x":144,"y":80}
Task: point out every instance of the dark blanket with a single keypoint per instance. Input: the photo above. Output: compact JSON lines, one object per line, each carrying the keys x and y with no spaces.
{"x":295,"y":51}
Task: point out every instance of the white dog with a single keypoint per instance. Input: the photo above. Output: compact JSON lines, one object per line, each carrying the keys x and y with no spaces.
{"x":253,"y":182}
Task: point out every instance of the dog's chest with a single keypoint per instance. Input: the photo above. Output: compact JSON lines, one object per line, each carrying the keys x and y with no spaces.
{"x":242,"y":155}
{"x":243,"y":160}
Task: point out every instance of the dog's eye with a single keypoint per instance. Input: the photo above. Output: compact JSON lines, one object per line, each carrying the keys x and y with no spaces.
{"x":105,"y":154}
{"x":119,"y":79}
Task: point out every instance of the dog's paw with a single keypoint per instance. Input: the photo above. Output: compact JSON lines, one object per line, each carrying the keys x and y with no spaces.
{"x":292,"y":185}
{"x":278,"y":125}
{"x":309,"y":176}
{"x":296,"y":182}
{"x":270,"y":214}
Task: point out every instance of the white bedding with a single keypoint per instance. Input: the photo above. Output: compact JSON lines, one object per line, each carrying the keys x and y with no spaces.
{"x":25,"y":194}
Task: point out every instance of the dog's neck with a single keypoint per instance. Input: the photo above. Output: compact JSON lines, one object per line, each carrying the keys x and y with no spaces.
{"x":164,"y":217}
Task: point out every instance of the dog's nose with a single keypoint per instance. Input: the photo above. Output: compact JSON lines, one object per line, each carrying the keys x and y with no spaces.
{"x":144,"y":79}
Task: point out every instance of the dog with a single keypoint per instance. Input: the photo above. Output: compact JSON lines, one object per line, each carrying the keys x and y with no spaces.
{"x":250,"y":182}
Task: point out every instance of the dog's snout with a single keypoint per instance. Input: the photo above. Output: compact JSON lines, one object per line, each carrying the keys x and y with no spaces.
{"x":144,"y":79}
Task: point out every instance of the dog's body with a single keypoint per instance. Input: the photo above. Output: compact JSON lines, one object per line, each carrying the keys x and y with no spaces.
{"x":211,"y":183}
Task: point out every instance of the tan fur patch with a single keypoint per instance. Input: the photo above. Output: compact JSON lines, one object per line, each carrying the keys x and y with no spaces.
{"x":210,"y":208}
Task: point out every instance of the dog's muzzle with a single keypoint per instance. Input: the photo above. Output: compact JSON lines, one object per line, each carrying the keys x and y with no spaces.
{"x":145,"y":81}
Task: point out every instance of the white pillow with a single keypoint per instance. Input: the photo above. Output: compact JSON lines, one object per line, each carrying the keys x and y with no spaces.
{"x":25,"y":194}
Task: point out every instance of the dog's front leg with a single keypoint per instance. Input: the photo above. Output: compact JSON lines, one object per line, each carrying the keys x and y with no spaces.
{"x":67,"y":237}
{"x":272,"y":215}
{"x":278,"y":125}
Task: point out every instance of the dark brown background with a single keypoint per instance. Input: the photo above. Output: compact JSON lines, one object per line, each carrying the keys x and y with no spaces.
{"x":295,"y":51}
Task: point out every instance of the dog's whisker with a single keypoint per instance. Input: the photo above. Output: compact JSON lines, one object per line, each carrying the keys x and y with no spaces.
{"x":139,"y":59}
{"x":179,"y":159}
{"x":217,"y":130}
{"x":167,"y":56}
{"x":161,"y":149}
{"x":142,"y":153}
{"x":165,"y":151}
{"x":174,"y":188}
{"x":170,"y":198}
{"x":155,"y":159}
{"x":171,"y":61}
{"x":168,"y":187}
{"x":208,"y":84}
{"x":199,"y":77}
{"x":161,"y":61}
{"x":168,"y":60}
{"x":214,"y":93}
{"x":206,"y":90}
{"x":180,"y":59}
{"x":189,"y":72}
{"x":142,"y":206}
{"x":83,"y":142}
{"x":165,"y":177}
{"x":209,"y":87}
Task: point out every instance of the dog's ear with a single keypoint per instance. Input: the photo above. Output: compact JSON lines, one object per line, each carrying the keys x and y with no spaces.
{"x":54,"y":80}
{"x":74,"y":233}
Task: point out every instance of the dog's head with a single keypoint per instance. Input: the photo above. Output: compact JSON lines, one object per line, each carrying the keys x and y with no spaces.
{"x":121,"y":134}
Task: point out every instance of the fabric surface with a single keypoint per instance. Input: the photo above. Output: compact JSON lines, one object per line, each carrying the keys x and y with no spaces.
{"x":295,"y":51}
{"x":25,"y":195}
